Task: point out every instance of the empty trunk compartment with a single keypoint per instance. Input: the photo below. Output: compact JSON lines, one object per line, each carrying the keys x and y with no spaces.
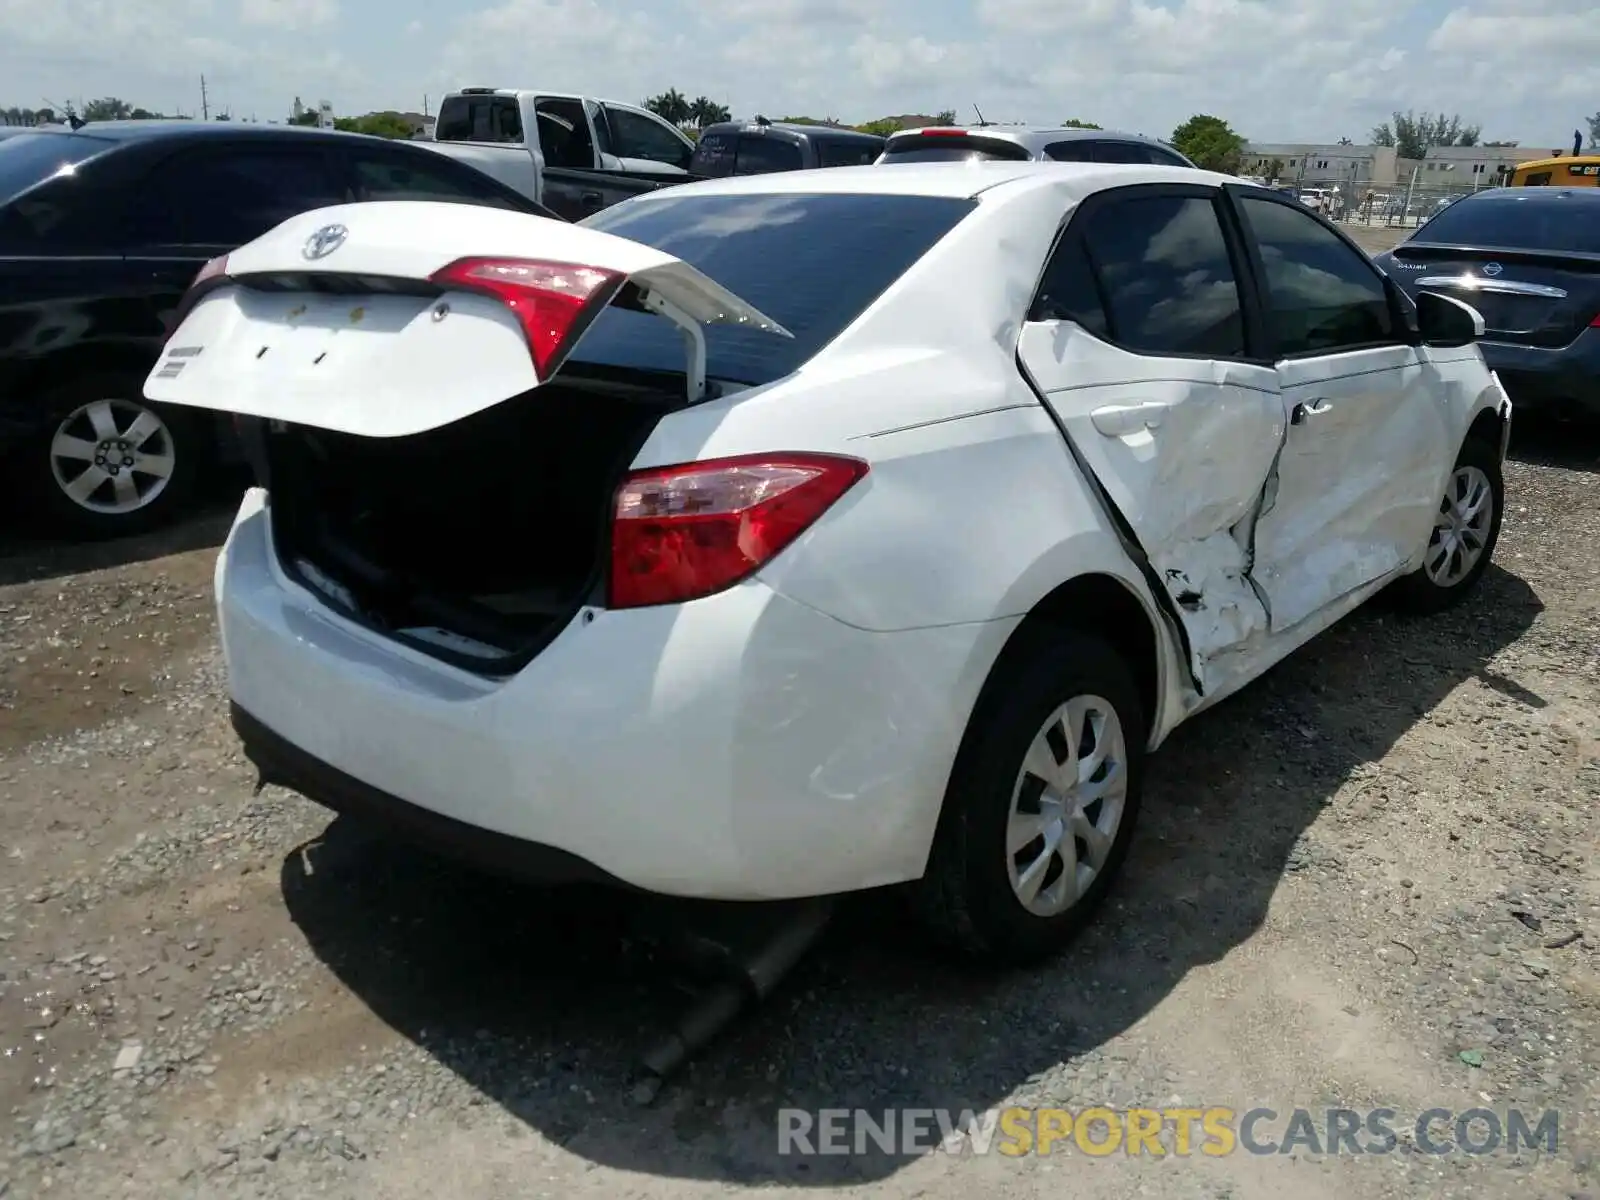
{"x":477,"y":541}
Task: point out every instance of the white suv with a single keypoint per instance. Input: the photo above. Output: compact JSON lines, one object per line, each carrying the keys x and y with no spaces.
{"x":788,"y":535}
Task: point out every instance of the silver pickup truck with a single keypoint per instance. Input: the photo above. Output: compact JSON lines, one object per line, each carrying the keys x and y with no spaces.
{"x":572,"y":154}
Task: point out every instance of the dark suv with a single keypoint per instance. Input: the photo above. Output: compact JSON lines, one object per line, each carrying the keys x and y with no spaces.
{"x":101,"y":231}
{"x":759,"y":147}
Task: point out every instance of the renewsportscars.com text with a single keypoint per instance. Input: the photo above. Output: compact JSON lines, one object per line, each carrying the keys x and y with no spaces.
{"x":1214,"y":1132}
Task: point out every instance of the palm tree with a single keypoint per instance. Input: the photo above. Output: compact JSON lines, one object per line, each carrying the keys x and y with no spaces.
{"x":704,"y":111}
{"x":670,"y":106}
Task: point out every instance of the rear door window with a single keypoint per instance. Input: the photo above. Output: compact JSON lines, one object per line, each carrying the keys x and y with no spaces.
{"x":1121,"y":152}
{"x":564,"y":136}
{"x":763,"y":248}
{"x":226,"y":196}
{"x":1069,"y":291}
{"x":759,"y":154}
{"x":1168,"y":278}
{"x":1076,"y":150}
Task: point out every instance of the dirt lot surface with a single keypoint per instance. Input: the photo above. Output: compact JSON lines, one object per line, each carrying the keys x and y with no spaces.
{"x":1368,"y":881}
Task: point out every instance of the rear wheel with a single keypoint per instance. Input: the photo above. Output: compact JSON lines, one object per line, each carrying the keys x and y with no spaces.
{"x":107,"y":464}
{"x":1041,"y":806}
{"x":1465,"y":530}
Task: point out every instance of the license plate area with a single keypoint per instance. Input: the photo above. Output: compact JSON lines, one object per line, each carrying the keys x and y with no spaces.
{"x":291,"y":336}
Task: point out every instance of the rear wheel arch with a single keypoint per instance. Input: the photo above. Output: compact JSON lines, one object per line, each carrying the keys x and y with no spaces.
{"x":1101,"y":606}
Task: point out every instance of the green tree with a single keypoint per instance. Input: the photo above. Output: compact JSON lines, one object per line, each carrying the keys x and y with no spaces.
{"x":1074,"y":123}
{"x":883,"y":126}
{"x":1594,"y":131}
{"x":384,"y":124}
{"x":670,"y":105}
{"x":945,"y":116}
{"x":108,"y":108}
{"x":1210,"y":143}
{"x":704,"y":111}
{"x":1411,"y":135}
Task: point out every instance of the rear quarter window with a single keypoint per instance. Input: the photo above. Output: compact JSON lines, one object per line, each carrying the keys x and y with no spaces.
{"x":765,"y":249}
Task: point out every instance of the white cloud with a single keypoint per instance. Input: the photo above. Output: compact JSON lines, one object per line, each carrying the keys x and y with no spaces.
{"x":288,"y":14}
{"x":1276,"y":69}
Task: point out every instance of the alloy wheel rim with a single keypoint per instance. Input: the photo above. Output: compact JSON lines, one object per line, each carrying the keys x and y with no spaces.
{"x":1066,"y":806}
{"x":1460,"y":527}
{"x":112,"y":456}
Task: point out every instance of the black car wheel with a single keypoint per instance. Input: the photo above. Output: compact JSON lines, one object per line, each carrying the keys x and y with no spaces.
{"x":108,"y":463}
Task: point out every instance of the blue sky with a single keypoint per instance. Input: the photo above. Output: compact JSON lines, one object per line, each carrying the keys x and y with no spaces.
{"x":1278,"y":70}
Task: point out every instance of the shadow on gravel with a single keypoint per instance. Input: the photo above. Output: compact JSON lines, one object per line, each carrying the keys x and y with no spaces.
{"x":30,"y":554}
{"x":1546,"y":443}
{"x":541,"y":1002}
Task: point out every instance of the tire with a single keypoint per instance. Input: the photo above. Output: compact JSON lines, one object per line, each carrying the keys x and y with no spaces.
{"x":78,"y":413}
{"x":968,"y":898}
{"x":1431,"y":589}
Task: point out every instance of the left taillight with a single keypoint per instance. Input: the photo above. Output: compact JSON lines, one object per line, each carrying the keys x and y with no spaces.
{"x":679,"y":533}
{"x":212,"y":275}
{"x":552,"y":301}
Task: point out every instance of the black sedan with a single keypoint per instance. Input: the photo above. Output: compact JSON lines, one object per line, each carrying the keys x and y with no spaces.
{"x":1528,"y":259}
{"x":102,"y":230}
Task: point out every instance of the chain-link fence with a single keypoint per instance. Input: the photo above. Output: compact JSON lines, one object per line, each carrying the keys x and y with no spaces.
{"x":1404,"y":205}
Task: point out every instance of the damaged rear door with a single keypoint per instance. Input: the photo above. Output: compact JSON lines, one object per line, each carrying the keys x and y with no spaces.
{"x":1138,"y":342}
{"x":386,"y":319}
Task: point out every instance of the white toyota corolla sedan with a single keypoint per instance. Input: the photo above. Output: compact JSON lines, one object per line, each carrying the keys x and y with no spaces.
{"x":796,"y":534}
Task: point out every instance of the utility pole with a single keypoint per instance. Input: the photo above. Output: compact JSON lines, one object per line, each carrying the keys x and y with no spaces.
{"x":205,"y":108}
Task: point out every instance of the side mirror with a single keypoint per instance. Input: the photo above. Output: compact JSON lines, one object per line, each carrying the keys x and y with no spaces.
{"x":1446,"y":321}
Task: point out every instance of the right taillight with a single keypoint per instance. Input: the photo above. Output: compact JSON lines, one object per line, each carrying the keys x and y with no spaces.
{"x":552,"y":301}
{"x":682,"y":532}
{"x":1595,"y":324}
{"x":214,"y":274}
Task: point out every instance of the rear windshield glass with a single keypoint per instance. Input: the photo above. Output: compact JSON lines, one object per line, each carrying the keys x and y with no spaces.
{"x":29,"y":158}
{"x":941,"y":148}
{"x":1519,"y":221}
{"x":479,"y":119}
{"x":813,"y":263}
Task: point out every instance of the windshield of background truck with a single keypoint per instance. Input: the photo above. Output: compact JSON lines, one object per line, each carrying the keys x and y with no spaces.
{"x":766,"y":249}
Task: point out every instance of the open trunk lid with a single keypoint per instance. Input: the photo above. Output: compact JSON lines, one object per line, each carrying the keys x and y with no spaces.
{"x":392,"y":318}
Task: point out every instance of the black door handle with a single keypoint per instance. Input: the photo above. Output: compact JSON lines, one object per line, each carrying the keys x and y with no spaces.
{"x":1299,"y":413}
{"x":590,"y":199}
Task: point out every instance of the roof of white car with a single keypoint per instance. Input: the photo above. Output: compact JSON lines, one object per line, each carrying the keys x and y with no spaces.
{"x":958,"y":180}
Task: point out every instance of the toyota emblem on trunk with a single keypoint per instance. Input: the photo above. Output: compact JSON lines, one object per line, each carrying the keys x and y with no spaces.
{"x":325,"y":241}
{"x":1492,"y":269}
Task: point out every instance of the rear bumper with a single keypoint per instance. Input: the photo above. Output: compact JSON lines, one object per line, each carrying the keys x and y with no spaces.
{"x":1559,"y":382}
{"x":742,"y":747}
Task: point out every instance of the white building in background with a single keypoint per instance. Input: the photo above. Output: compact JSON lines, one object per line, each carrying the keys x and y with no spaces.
{"x":1476,"y":166}
{"x":1312,"y":163}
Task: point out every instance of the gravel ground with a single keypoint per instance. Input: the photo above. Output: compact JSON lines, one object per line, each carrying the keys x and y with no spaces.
{"x":1370,"y":880}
